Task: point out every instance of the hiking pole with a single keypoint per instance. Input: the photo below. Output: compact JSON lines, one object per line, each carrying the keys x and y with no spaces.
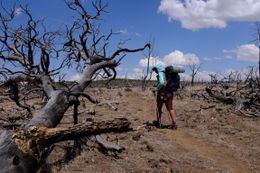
{"x":156,"y":109}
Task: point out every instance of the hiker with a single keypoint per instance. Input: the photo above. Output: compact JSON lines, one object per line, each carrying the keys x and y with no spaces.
{"x":164,"y":92}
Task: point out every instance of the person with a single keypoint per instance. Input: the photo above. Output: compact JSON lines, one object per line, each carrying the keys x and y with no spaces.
{"x":164,"y":94}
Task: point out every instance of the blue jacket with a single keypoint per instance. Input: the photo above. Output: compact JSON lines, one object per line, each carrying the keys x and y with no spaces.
{"x":160,"y":76}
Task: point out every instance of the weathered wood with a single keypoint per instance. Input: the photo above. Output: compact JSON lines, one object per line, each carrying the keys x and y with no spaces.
{"x":245,"y":100}
{"x":25,"y":150}
{"x":225,"y":99}
{"x":108,"y":145}
{"x":37,"y":138}
{"x":12,"y":159}
{"x":48,"y":117}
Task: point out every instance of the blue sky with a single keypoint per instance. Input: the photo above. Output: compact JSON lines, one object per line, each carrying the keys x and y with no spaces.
{"x":216,"y":33}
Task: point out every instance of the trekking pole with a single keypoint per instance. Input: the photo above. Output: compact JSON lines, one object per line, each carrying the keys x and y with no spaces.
{"x":156,"y":109}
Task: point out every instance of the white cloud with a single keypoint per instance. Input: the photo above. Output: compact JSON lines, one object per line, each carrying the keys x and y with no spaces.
{"x":200,"y":76}
{"x":153,"y":61}
{"x":203,"y":76}
{"x":247,"y":52}
{"x":137,"y":73}
{"x":219,"y":58}
{"x":198,"y":14}
{"x":179,"y":58}
{"x":185,"y":76}
{"x":123,"y":31}
{"x":75,"y":77}
{"x":174,"y":58}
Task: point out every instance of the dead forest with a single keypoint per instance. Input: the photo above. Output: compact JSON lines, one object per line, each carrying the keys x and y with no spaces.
{"x":29,"y":146}
{"x":35,"y":102}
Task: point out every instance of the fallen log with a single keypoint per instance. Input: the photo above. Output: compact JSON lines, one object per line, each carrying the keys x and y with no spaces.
{"x":224,"y":99}
{"x":29,"y":51}
{"x":246,"y":103}
{"x":26,"y":150}
{"x":108,"y":145}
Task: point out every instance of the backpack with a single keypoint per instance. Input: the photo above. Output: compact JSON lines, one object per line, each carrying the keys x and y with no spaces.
{"x":172,"y":79}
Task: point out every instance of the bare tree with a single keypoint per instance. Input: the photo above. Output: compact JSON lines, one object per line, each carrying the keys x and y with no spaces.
{"x":257,"y":43}
{"x":213,"y":78}
{"x":26,"y":55}
{"x":194,"y":71}
{"x":146,"y":77}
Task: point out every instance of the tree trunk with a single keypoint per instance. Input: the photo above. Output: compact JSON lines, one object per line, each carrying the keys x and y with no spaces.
{"x":13,"y":159}
{"x":224,"y":99}
{"x":192,"y":79}
{"x":259,"y":63}
{"x":25,"y":151}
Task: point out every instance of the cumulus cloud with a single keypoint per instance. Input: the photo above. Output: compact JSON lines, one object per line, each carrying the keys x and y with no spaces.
{"x":174,"y":58}
{"x":137,"y":73}
{"x":198,"y":14}
{"x":179,"y":58}
{"x":153,"y":61}
{"x":201,"y":76}
{"x":246,"y":52}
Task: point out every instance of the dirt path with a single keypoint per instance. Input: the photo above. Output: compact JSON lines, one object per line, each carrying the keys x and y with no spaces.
{"x":219,"y":155}
{"x":211,"y":140}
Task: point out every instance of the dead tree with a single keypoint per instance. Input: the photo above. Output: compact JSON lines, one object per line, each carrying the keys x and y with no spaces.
{"x":26,"y":56}
{"x":244,"y":96}
{"x":194,"y":71}
{"x":257,"y":42}
{"x":146,"y":77}
{"x":213,"y":78}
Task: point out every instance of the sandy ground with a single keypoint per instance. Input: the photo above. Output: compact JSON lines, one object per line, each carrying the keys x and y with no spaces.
{"x":210,"y":137}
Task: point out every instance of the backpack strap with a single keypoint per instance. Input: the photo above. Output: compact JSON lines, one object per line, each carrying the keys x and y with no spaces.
{"x":164,"y":86}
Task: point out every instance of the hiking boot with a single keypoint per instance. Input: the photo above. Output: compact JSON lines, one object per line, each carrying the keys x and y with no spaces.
{"x":174,"y":126}
{"x":157,"y":124}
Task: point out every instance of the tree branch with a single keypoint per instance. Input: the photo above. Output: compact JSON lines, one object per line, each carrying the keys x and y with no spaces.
{"x":35,"y":140}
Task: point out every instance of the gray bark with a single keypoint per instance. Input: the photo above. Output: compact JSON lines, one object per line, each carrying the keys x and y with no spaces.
{"x":12,"y":158}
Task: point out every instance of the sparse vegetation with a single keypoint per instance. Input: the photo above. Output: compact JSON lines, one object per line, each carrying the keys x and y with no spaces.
{"x":50,"y":125}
